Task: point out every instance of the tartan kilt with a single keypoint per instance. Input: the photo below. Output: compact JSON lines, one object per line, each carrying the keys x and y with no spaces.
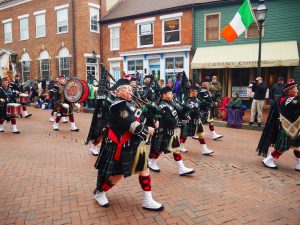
{"x":189,"y":130}
{"x":285,"y":142}
{"x":63,"y":111}
{"x":164,"y":143}
{"x":108,"y":167}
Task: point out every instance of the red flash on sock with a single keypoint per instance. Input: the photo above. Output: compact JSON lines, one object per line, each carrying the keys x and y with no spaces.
{"x":276,"y":154}
{"x":202,"y":141}
{"x":13,"y":121}
{"x":177,"y":156}
{"x":297,"y":153}
{"x":106,"y":185}
{"x":145,"y":182}
{"x":211,"y":127}
{"x":71,"y":117}
{"x":154,"y":155}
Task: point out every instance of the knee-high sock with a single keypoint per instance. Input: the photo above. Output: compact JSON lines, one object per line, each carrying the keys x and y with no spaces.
{"x":13,"y":121}
{"x":202,"y":141}
{"x":2,"y":121}
{"x":145,"y":182}
{"x":211,"y":127}
{"x":24,"y":108}
{"x":297,"y":153}
{"x":276,"y":154}
{"x":71,"y":117}
{"x":182,"y":140}
{"x":177,"y":156}
{"x":154,"y":155}
{"x":57,"y":119}
{"x":106,"y":185}
{"x":52,"y":113}
{"x":97,"y":141}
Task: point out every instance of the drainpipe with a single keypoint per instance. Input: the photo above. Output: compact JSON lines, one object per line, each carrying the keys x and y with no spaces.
{"x":73,"y":39}
{"x":193,"y":40}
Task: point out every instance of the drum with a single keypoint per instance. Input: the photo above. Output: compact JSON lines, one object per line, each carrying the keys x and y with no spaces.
{"x":24,"y":98}
{"x":13,"y":109}
{"x":76,"y":90}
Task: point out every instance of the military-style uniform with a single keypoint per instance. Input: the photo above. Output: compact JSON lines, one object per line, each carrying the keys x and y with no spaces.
{"x":166,"y":137}
{"x":7,"y":95}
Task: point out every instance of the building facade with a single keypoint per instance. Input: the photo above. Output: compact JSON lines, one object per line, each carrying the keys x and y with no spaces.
{"x":154,"y":41}
{"x":236,"y":64}
{"x":45,"y":40}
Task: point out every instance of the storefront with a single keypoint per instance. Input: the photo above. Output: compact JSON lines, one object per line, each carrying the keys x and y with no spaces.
{"x":236,"y":65}
{"x":164,"y":63}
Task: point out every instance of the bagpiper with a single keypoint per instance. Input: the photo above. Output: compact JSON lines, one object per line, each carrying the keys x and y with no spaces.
{"x":166,"y":137}
{"x":283,"y":127}
{"x":194,"y":127}
{"x":206,"y":112}
{"x":126,"y":135}
{"x":7,"y":95}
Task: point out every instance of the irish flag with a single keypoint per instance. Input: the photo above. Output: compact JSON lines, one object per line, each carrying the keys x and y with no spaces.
{"x":240,"y":22}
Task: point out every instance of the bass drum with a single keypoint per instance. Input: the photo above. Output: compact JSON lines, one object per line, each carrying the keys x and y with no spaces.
{"x":76,"y":90}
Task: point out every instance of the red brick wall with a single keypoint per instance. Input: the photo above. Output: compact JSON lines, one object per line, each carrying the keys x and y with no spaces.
{"x":86,"y":41}
{"x":128,"y":35}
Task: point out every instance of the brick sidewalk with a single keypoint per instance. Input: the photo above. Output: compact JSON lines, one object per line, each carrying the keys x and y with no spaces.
{"x":47,"y":177}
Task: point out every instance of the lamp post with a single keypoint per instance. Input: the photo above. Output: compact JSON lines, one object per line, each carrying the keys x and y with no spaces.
{"x":261,"y":14}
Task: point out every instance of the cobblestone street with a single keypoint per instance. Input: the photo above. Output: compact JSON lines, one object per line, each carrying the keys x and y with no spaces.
{"x":47,"y":177}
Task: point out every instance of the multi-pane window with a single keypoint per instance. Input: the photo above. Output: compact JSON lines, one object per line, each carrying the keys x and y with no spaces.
{"x":212,"y":27}
{"x":252,"y":30}
{"x":135,"y":66}
{"x":40,"y":23}
{"x":64,"y":67}
{"x":145,"y":32}
{"x":174,"y":66}
{"x":114,"y":38}
{"x":45,"y":69}
{"x":24,"y":32}
{"x":25,"y":70}
{"x":171,"y":31}
{"x":62,"y":20}
{"x":94,"y":18}
{"x":8,"y":32}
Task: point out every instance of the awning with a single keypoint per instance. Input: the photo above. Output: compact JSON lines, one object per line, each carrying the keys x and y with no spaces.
{"x":245,"y":56}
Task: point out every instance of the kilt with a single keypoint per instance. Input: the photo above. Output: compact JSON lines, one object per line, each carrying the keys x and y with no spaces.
{"x":106,"y":164}
{"x":164,"y":142}
{"x":63,"y":111}
{"x":285,"y":142}
{"x":191,"y":130}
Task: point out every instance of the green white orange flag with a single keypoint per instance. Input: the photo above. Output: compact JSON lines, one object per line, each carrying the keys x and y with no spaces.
{"x":240,"y":22}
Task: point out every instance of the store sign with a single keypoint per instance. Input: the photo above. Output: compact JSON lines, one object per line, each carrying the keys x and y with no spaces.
{"x":242,"y":91}
{"x":239,"y":64}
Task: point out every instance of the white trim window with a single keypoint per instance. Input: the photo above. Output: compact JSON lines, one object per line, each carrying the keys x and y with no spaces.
{"x":145,"y":35}
{"x":40,"y":25}
{"x":171,"y":31}
{"x":62,"y":21}
{"x":64,"y":62}
{"x":135,"y":66}
{"x":115,"y":38}
{"x":45,"y":69}
{"x":94,"y":18}
{"x":24,"y":30}
{"x":212,"y":27}
{"x":25,"y":70}
{"x":7,"y":32}
{"x":115,"y":69}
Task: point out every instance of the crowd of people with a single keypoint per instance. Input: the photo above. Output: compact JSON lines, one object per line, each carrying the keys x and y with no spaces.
{"x":139,"y":111}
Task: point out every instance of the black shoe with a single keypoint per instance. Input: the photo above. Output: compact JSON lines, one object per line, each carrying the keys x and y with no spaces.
{"x":251,"y":124}
{"x":259,"y":124}
{"x":158,"y":209}
{"x":29,"y":115}
{"x":16,"y":132}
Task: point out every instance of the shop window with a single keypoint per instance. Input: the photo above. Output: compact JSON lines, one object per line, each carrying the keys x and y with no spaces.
{"x":174,"y":66}
{"x":135,"y":66}
{"x":145,"y":32}
{"x":62,"y":20}
{"x":171,"y":31}
{"x":8,"y":32}
{"x":240,"y":80}
{"x":212,"y":27}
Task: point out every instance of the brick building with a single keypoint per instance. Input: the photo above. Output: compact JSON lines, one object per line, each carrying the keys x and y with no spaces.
{"x":148,"y":36}
{"x":44,"y":40}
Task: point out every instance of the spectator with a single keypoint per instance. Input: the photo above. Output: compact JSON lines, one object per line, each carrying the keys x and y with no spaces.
{"x":235,"y":113}
{"x":161,"y":83}
{"x":91,"y":97}
{"x":215,"y":89}
{"x":276,"y":90}
{"x":259,"y":88}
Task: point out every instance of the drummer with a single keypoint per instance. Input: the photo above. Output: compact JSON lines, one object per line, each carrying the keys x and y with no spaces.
{"x":23,"y":97}
{"x":62,"y":107}
{"x":7,"y":96}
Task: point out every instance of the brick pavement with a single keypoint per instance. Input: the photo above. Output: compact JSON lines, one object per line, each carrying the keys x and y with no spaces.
{"x":47,"y":177}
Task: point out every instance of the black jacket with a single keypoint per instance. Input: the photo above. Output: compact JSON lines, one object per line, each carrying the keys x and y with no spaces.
{"x":259,"y":91}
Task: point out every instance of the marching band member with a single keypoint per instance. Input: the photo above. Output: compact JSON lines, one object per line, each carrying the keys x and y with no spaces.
{"x":207,"y":106}
{"x":16,"y":86}
{"x":62,"y":106}
{"x":284,"y":127}
{"x":194,"y":127}
{"x":7,"y":95}
{"x":148,"y":92}
{"x":166,"y":139}
{"x":124,"y":138}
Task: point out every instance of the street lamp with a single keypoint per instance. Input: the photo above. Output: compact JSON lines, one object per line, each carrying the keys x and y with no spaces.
{"x":261,"y":14}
